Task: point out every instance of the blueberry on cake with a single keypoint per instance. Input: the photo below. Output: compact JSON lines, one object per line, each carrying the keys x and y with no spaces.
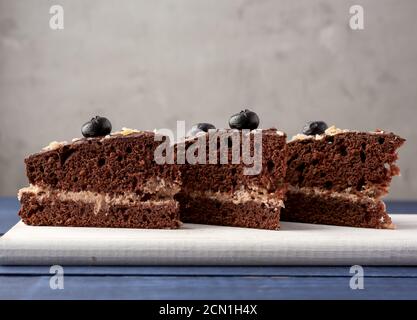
{"x":338,"y":177}
{"x":225,"y":193}
{"x":101,"y":180}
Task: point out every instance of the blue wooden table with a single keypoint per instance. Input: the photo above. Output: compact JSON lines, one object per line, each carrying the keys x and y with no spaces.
{"x":157,"y":282}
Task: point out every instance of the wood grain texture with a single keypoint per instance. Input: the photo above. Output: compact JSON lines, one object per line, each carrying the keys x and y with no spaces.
{"x":191,"y":287}
{"x":213,"y":271}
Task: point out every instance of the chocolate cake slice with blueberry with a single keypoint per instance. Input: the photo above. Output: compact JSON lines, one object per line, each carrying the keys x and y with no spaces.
{"x":338,"y":177}
{"x":101,"y":180}
{"x":224,"y":194}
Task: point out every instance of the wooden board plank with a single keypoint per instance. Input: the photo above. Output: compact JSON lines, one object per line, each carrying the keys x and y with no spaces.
{"x":208,"y":271}
{"x":294,"y":244}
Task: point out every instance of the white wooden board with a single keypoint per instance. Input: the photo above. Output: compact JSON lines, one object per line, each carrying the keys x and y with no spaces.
{"x":294,"y":244}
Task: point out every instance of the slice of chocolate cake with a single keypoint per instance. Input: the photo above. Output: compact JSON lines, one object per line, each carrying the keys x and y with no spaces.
{"x":338,"y":176}
{"x":105,"y":181}
{"x":224,"y":193}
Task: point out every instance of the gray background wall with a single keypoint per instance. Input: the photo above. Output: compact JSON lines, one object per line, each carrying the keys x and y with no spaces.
{"x":145,"y":64}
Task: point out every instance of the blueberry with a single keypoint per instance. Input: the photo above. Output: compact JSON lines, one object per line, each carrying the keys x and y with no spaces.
{"x":96,"y":127}
{"x":204,"y":126}
{"x":245,"y":119}
{"x":200,"y":127}
{"x":314,"y":127}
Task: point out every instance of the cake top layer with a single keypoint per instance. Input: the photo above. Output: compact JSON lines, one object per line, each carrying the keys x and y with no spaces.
{"x":229,"y":175}
{"x":123,"y":161}
{"x":265,"y":132}
{"x":125,"y":132}
{"x":361,"y":162}
{"x":134,"y":133}
{"x":331,"y":131}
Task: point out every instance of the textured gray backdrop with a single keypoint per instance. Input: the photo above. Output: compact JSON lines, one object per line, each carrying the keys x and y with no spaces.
{"x":145,"y":64}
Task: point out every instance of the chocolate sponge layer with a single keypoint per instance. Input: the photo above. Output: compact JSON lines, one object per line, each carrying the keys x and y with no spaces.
{"x":340,"y":179}
{"x":222,"y":194}
{"x":249,"y":214}
{"x":110,"y":181}
{"x":231,"y":177}
{"x":110,"y":165}
{"x":53,"y":211}
{"x":363,"y":162}
{"x":326,"y":208}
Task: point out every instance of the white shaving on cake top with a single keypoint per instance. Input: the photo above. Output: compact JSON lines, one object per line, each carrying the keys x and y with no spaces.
{"x":280,"y":133}
{"x":330,"y":131}
{"x":377,"y":132}
{"x":54,"y":145}
{"x":124,"y":132}
{"x":127,"y":131}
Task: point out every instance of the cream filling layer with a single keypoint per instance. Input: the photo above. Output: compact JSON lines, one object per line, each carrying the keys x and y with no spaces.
{"x":241,"y":196}
{"x":341,"y":195}
{"x":160,"y":187}
{"x":100,"y":200}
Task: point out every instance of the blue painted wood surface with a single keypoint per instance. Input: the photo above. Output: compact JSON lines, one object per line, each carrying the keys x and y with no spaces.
{"x":145,"y":282}
{"x":200,"y":287}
